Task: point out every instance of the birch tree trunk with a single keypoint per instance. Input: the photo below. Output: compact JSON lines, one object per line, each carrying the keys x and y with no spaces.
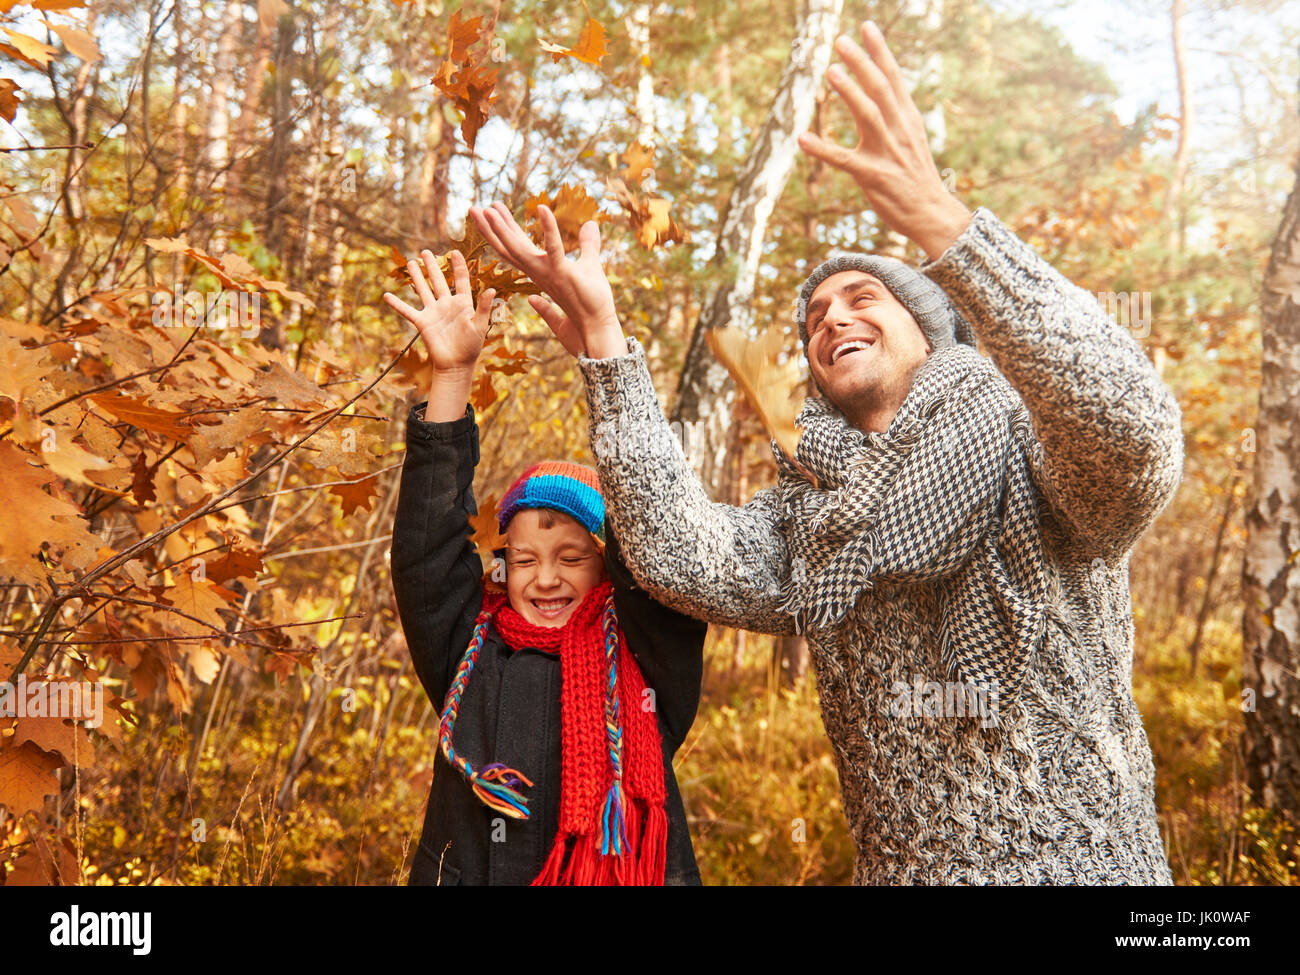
{"x":218,"y":128}
{"x":705,"y":392}
{"x":1271,"y":572}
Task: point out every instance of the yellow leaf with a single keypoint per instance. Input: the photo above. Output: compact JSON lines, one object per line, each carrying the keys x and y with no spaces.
{"x":32,"y":49}
{"x":770,"y":385}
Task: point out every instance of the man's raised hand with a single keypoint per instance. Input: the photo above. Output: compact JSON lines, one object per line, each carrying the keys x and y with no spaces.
{"x":452,"y":328}
{"x":892,"y":162}
{"x":582,"y":314}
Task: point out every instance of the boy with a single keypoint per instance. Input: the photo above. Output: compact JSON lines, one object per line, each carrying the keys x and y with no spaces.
{"x":563,"y":699}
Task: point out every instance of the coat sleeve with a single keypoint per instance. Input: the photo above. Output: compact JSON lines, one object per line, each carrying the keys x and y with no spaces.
{"x":668,"y":646}
{"x":716,"y":562}
{"x":1109,"y":430}
{"x":437,"y":574}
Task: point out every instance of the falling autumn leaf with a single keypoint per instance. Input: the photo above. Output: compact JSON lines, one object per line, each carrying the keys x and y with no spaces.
{"x":771,"y":385}
{"x":638,"y":162}
{"x":9,"y":100}
{"x":591,"y":45}
{"x":483,"y":393}
{"x":650,"y":217}
{"x":464,"y":78}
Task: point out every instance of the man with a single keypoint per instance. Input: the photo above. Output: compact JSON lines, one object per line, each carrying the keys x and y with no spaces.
{"x":953,"y":534}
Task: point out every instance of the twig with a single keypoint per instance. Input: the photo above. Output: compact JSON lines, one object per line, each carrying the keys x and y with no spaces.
{"x":98,"y":572}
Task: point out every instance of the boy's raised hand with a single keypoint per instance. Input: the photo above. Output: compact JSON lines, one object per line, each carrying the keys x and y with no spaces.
{"x":582,"y":315}
{"x":452,"y":328}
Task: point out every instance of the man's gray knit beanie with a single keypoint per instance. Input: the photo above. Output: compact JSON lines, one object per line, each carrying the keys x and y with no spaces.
{"x":939,"y":320}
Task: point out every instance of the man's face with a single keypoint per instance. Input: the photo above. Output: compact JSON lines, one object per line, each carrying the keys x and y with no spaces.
{"x":549,"y":570}
{"x":864,"y":345}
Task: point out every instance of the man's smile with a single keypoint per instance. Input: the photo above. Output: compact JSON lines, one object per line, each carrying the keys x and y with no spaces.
{"x":850,"y":345}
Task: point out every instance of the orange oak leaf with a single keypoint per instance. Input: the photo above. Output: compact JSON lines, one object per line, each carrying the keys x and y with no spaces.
{"x":26,"y":778}
{"x":198,"y":598}
{"x":464,"y":78}
{"x":591,"y":45}
{"x":483,"y":394}
{"x":485,"y":533}
{"x":235,"y":563}
{"x":572,"y":206}
{"x":360,"y":493}
{"x":461,"y":36}
{"x":9,"y":100}
{"x":512,"y":363}
{"x":650,"y":218}
{"x":639,"y":162}
{"x":46,"y":864}
{"x":140,"y":414}
{"x":44,"y":519}
{"x":29,"y":50}
{"x":58,"y":735}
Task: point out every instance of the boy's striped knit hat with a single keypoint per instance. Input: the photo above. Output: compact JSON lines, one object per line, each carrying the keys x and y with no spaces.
{"x":561,"y":486}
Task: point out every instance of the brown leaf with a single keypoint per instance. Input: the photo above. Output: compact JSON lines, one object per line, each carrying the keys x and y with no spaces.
{"x":463,"y":77}
{"x":513,"y":362}
{"x":572,"y":207}
{"x":288,"y":387}
{"x":769,"y":385}
{"x":482,"y":395}
{"x":9,"y":100}
{"x":360,"y":493}
{"x":461,"y":36}
{"x":234,"y":431}
{"x":235,"y":563}
{"x":196,"y":597}
{"x":639,"y":161}
{"x":45,"y":519}
{"x":26,"y":778}
{"x":485,"y":533}
{"x":142,"y":488}
{"x":57,"y":735}
{"x":591,"y":45}
{"x":78,"y":42}
{"x":140,"y":414}
{"x":46,"y":864}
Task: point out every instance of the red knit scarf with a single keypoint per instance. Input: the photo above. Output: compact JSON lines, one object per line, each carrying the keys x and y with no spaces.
{"x":591,"y":733}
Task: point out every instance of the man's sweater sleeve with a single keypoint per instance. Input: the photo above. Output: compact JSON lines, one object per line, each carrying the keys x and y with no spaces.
{"x":436,"y":571}
{"x":1110,"y":430}
{"x":715,"y":562}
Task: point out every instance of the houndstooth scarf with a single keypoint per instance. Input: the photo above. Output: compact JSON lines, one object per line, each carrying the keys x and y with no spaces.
{"x":944,"y":495}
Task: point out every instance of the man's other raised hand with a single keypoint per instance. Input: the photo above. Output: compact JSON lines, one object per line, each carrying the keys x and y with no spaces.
{"x":581,"y":310}
{"x":892,"y":162}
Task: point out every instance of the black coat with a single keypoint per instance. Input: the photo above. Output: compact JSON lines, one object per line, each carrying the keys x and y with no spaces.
{"x":510,"y":710}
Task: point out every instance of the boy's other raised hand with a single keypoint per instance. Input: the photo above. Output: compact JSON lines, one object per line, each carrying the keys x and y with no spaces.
{"x":453,"y":330}
{"x":581,"y":310}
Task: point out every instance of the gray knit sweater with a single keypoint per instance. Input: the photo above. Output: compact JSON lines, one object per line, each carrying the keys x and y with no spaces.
{"x":1061,"y":789}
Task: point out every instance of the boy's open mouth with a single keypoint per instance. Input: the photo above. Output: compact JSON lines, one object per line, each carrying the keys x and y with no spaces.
{"x":551,"y":608}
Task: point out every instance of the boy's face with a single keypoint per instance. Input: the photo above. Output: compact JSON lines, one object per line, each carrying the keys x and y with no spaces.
{"x":549,"y":570}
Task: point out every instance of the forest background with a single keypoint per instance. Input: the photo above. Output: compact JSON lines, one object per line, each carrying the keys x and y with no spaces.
{"x":199,"y":493}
